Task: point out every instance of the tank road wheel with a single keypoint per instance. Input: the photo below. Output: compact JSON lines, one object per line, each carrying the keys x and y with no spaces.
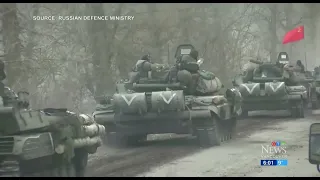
{"x":9,"y":169}
{"x":297,"y":109}
{"x":208,"y":133}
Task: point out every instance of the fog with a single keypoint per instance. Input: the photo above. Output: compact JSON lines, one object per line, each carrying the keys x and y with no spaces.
{"x":65,"y":61}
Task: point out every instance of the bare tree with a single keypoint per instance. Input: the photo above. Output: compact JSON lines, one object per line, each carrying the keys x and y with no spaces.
{"x":67,"y":62}
{"x":11,"y":41}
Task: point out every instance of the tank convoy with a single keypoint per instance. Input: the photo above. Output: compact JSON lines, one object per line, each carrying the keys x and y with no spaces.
{"x":271,"y":86}
{"x":44,"y":143}
{"x":181,"y":99}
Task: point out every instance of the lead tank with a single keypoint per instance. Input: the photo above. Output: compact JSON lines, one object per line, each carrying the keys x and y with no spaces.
{"x":271,"y":86}
{"x":45,"y":143}
{"x":160,"y":104}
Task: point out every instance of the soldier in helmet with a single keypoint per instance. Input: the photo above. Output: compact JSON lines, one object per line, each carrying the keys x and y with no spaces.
{"x":143,"y":63}
{"x":300,"y":66}
{"x":194,"y":54}
{"x":188,"y":62}
{"x":140,"y":69}
{"x":187,"y":71}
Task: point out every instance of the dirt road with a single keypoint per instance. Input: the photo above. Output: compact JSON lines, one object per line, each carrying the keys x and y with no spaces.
{"x":242,"y":157}
{"x":158,"y":156}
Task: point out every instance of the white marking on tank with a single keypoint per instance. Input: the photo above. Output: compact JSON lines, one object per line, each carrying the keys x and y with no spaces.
{"x":248,"y":89}
{"x":264,"y":75}
{"x":277,"y":88}
{"x":126,"y":100}
{"x":170,"y":99}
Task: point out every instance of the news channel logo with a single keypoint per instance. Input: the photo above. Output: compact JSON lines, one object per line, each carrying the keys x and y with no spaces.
{"x":278,"y":143}
{"x":274,"y":150}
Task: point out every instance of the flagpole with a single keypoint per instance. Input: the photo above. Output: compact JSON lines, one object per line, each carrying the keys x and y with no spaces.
{"x":305,"y":56}
{"x":305,"y":51}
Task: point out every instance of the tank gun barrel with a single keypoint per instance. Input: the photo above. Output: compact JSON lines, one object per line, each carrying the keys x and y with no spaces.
{"x":256,"y":61}
{"x":4,"y":110}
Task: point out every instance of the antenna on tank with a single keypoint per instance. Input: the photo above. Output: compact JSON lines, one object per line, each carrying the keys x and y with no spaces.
{"x":168,"y":53}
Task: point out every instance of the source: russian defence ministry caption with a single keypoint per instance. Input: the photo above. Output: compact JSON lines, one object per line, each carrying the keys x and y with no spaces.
{"x":86,"y":18}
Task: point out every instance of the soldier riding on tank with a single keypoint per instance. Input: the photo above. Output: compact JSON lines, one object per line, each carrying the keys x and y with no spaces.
{"x":300,"y":66}
{"x":140,"y":69}
{"x":182,"y":99}
{"x":271,"y":86}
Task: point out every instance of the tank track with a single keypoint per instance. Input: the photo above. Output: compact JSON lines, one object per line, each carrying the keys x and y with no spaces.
{"x":12,"y":169}
{"x":9,"y":169}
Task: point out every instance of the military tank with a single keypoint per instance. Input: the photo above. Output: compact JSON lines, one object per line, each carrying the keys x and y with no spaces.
{"x":271,"y":86}
{"x":44,"y":143}
{"x":315,"y":89}
{"x":158,"y":104}
{"x":306,"y":79}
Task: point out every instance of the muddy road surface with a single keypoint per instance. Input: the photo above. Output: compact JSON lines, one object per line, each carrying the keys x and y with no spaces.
{"x":242,"y":157}
{"x":163,"y":149}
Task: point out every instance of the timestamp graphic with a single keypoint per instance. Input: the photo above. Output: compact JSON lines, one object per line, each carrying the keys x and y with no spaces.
{"x":280,"y":162}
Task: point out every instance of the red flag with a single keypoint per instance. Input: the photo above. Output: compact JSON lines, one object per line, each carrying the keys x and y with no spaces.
{"x":294,"y":35}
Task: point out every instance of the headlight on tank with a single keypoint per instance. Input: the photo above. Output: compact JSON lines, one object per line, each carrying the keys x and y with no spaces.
{"x":38,"y":145}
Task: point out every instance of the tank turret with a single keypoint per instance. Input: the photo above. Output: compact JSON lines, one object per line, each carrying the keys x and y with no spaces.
{"x":270,"y":86}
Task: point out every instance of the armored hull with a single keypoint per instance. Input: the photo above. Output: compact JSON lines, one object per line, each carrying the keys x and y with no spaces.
{"x":133,"y":116}
{"x":50,"y":142}
{"x":272,"y":96}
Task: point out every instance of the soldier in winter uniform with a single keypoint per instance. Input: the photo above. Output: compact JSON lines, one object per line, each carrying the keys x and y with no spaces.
{"x":300,"y":66}
{"x":140,"y":69}
{"x":186,"y":60}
